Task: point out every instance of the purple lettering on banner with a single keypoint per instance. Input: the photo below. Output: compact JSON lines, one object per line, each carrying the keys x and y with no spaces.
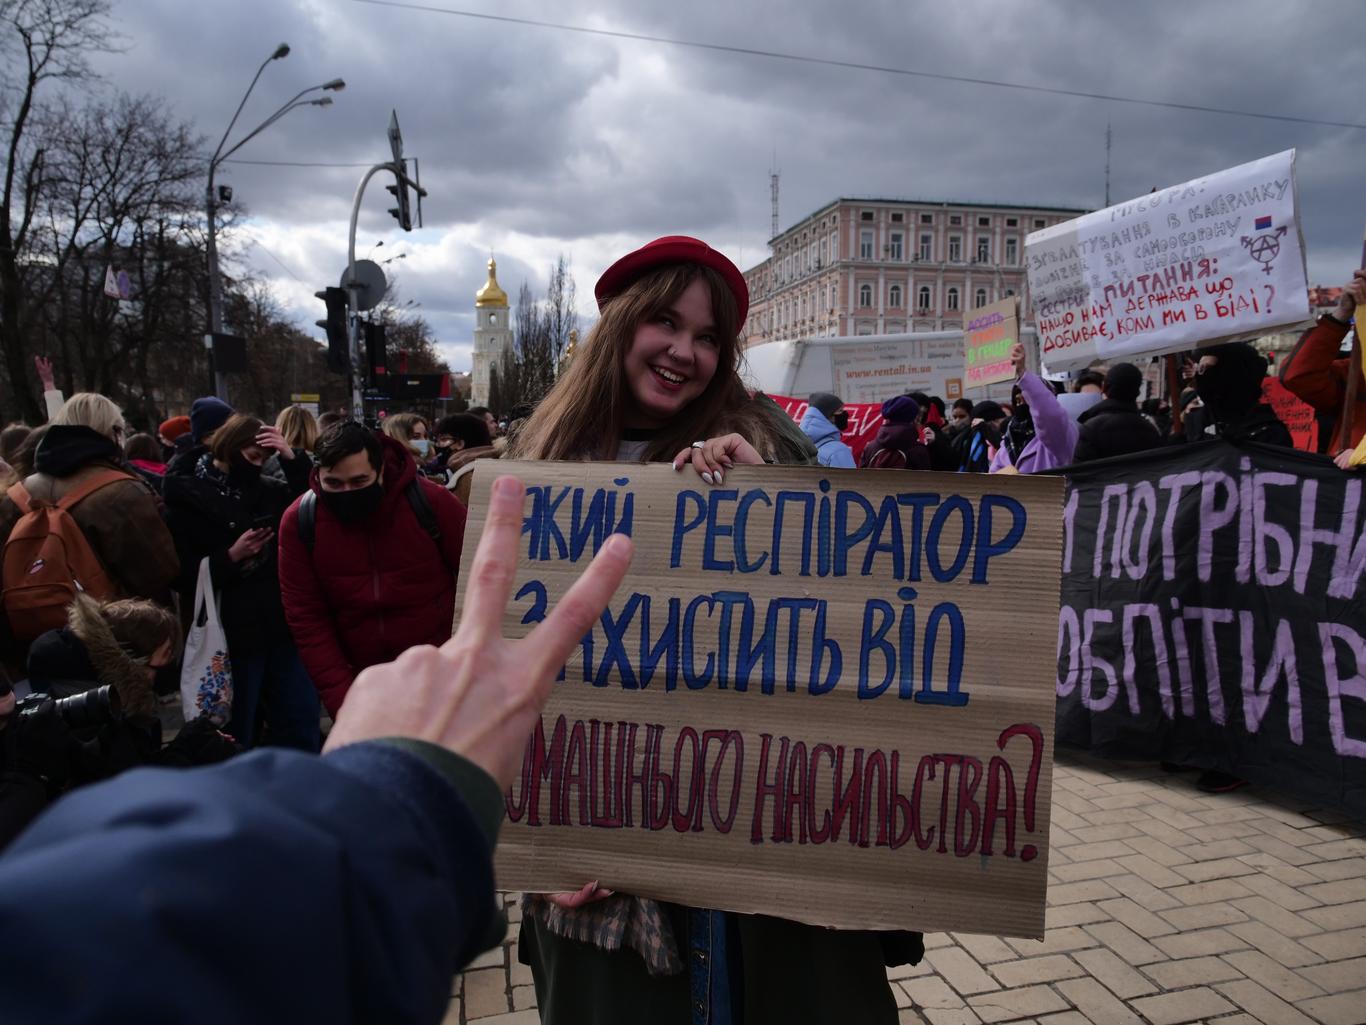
{"x":1213,"y":517}
{"x":1144,"y":499}
{"x":1210,"y":648}
{"x":1268,"y":532}
{"x":1340,"y":687}
{"x":1090,"y":663}
{"x":1348,"y":565}
{"x":1120,"y":494}
{"x":1069,"y":629}
{"x":1176,"y":483}
{"x":1153,"y":615}
{"x":1069,"y":519}
{"x":1257,"y":697}
{"x":1243,"y":573}
{"x":1183,"y":661}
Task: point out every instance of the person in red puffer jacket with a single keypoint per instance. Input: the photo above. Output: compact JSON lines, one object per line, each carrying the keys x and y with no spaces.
{"x":368,"y":559}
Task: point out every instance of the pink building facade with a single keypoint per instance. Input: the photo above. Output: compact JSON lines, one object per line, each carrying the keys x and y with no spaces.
{"x":880,"y":266}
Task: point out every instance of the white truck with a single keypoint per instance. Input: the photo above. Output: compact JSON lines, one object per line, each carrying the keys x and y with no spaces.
{"x":869,"y":368}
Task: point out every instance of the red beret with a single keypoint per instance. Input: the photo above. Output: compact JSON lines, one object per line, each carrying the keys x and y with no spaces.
{"x":666,"y":250}
{"x":174,"y":427}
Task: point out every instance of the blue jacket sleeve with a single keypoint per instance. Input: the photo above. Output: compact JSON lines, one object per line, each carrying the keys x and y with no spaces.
{"x":276,"y":887}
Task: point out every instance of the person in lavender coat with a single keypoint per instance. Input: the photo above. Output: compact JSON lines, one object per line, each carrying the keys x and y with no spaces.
{"x":1040,"y":434}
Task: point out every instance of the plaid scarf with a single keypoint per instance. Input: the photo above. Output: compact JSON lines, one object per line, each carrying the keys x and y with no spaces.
{"x":636,"y":923}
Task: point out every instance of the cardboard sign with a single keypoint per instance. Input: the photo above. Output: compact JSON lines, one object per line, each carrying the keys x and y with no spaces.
{"x":1213,"y":260}
{"x":864,"y":420}
{"x":988,"y":334}
{"x":826,"y":695}
{"x":1297,"y":415}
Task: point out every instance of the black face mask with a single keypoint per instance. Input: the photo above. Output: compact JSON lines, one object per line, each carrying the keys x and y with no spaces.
{"x":243,"y":474}
{"x":841,"y":420}
{"x":354,"y":506}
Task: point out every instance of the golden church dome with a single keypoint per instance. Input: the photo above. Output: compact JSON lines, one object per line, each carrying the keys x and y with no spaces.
{"x":491,"y":294}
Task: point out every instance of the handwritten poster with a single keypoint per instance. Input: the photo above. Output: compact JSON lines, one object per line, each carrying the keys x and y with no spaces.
{"x":989,"y":332}
{"x":1212,"y":260}
{"x":819,"y":694}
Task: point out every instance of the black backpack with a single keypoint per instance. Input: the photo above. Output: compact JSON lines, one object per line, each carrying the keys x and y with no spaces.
{"x":308,"y":514}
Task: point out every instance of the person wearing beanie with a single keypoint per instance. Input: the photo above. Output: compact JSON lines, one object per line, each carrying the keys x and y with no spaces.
{"x":174,"y":436}
{"x":207,"y":414}
{"x":1115,"y":426}
{"x":824,"y":421}
{"x":899,"y":444}
{"x":1228,"y":380}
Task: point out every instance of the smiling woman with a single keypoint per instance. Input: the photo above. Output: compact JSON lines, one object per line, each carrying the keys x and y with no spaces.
{"x":657,"y":380}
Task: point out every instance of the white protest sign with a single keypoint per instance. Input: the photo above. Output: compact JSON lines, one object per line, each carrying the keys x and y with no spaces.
{"x":1213,"y":260}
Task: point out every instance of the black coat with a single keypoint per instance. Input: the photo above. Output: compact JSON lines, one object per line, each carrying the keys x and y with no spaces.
{"x":205,"y":520}
{"x":1113,"y":428}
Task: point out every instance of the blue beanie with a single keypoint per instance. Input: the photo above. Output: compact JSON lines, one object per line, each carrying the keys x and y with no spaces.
{"x":901,"y":409}
{"x":207,"y":415}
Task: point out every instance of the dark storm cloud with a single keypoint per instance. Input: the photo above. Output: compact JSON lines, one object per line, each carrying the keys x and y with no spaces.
{"x":535,"y":141}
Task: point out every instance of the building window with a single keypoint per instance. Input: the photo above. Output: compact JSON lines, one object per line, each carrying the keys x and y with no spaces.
{"x":955,"y":249}
{"x":832,"y":297}
{"x":927,"y":218}
{"x":983,"y":249}
{"x":1038,"y":223}
{"x":825,"y":250}
{"x":865,"y":329}
{"x":955,"y":220}
{"x":1012,"y":250}
{"x":894,"y":297}
{"x":898,"y":218}
{"x":865,"y":245}
{"x":865,"y":295}
{"x":924,"y":302}
{"x":952,"y":302}
{"x":866,"y":215}
{"x":984,"y":222}
{"x":1012,"y":222}
{"x":927,"y":247}
{"x":896,"y":248}
{"x":1009,"y":292}
{"x":980,"y":298}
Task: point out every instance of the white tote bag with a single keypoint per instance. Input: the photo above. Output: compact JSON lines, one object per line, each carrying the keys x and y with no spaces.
{"x":206,"y":671}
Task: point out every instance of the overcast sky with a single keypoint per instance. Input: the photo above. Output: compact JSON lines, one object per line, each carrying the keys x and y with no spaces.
{"x":536,"y":141}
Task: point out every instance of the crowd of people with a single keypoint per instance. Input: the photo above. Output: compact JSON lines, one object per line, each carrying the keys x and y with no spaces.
{"x":330,"y":549}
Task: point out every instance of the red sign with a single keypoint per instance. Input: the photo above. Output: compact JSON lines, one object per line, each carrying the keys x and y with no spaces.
{"x":1297,"y":415}
{"x":864,"y":420}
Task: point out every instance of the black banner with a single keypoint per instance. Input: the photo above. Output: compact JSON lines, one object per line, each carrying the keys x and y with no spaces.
{"x":1214,"y":614}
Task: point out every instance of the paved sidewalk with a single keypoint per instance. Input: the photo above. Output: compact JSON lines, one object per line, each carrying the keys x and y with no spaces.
{"x":1165,"y":906}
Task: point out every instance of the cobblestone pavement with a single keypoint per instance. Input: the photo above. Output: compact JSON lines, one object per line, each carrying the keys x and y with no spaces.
{"x":1165,"y":906}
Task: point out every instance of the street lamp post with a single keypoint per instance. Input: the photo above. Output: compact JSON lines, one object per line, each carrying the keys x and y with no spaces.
{"x":211,"y":198}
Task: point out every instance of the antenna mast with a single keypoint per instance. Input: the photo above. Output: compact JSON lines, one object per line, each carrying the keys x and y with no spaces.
{"x":773,"y":191}
{"x":1107,"y":163}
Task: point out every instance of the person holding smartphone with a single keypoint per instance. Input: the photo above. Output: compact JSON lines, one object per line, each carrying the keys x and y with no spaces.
{"x":227,"y":512}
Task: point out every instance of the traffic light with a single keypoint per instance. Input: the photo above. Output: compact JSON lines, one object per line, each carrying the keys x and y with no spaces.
{"x":400,"y":187}
{"x":403,"y":212}
{"x":376,"y":361}
{"x":338,"y":345}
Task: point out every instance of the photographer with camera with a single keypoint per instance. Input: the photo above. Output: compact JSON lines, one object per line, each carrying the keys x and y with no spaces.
{"x":371,"y":866}
{"x":92,"y":713}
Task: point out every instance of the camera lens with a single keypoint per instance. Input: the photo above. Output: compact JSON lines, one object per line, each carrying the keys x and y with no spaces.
{"x":90,"y":708}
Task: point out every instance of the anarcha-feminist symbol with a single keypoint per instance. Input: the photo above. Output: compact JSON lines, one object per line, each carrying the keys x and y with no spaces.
{"x":1265,"y":248}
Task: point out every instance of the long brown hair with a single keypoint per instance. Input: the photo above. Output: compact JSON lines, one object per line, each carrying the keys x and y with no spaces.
{"x":238,"y":432}
{"x":583,"y":416}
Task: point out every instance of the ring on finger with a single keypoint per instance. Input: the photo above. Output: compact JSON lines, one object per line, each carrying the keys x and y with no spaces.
{"x":699,"y":444}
